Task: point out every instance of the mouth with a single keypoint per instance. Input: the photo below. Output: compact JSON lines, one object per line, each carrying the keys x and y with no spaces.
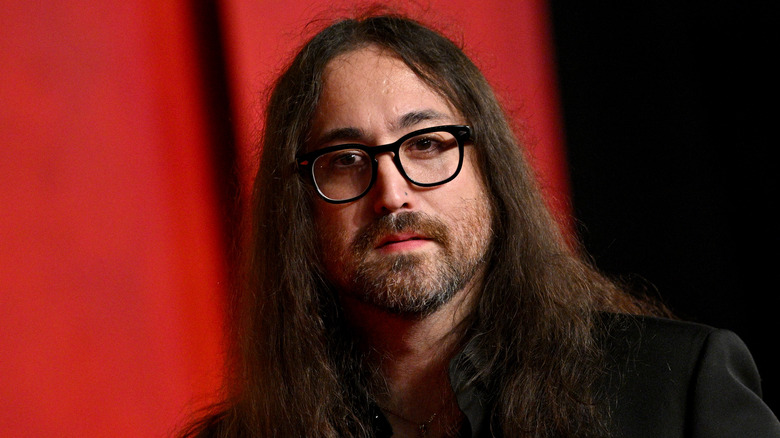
{"x":401,"y":240}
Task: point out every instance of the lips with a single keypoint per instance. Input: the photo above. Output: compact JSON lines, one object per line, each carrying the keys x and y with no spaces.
{"x":399,"y":238}
{"x":398,"y":233}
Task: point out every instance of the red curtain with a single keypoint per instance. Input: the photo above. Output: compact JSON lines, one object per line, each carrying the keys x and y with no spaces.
{"x":112,"y":254}
{"x":112,"y":240}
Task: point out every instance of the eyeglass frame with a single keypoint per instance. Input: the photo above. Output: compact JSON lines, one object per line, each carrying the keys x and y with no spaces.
{"x":461,"y":133}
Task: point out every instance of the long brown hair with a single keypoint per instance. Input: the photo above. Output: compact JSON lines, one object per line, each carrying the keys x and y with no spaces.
{"x":531,"y":338}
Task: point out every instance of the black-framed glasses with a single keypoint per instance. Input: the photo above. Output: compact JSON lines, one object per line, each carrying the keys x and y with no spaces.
{"x":427,"y":157}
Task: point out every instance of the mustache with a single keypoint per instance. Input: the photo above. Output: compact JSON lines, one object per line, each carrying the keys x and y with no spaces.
{"x":414,"y":222}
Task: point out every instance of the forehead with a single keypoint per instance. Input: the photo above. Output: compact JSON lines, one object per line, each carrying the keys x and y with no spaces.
{"x":372,"y":89}
{"x":367,"y":65}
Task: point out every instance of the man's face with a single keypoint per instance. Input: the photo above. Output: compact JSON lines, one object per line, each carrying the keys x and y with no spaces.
{"x":401,"y":248}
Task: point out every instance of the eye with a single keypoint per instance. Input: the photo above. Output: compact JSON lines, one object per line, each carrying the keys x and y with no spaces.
{"x":424,"y":144}
{"x":343,"y":160}
{"x":428,"y":145}
{"x":346,"y":159}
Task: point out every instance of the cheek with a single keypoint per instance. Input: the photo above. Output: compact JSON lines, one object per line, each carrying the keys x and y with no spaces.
{"x":467,"y":188}
{"x":334,"y":235}
{"x":334,"y":228}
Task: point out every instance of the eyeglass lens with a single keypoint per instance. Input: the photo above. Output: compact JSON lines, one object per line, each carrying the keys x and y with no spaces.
{"x":428,"y":158}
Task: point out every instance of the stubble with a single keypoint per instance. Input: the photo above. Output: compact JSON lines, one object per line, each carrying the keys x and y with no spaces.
{"x":414,"y":284}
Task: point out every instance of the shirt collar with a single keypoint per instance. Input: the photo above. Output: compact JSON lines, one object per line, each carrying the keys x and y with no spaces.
{"x":472,"y":398}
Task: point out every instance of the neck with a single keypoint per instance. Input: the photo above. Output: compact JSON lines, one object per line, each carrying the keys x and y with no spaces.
{"x":413,"y":355}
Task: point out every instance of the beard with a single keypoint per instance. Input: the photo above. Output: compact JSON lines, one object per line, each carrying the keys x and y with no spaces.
{"x":413,"y":284}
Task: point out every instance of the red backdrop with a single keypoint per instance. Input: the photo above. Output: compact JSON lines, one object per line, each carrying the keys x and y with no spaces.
{"x":112,"y":250}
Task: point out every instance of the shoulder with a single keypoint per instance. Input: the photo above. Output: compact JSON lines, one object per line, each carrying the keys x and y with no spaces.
{"x":642,"y":338}
{"x":677,"y":378}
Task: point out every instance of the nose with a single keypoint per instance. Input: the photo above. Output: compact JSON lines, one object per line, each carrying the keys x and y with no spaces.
{"x":391,"y":191}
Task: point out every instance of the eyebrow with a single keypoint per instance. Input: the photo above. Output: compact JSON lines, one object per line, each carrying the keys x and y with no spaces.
{"x":349,"y":133}
{"x":352,"y":133}
{"x":414,"y":117}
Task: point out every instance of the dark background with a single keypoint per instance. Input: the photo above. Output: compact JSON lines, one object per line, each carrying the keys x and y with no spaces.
{"x":671,"y":114}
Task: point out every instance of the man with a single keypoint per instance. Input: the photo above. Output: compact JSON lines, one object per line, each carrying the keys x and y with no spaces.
{"x":405,"y":278}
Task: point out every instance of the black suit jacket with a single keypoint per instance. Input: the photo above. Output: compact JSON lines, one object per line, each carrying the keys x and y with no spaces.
{"x":678,"y":379}
{"x":665,"y":379}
